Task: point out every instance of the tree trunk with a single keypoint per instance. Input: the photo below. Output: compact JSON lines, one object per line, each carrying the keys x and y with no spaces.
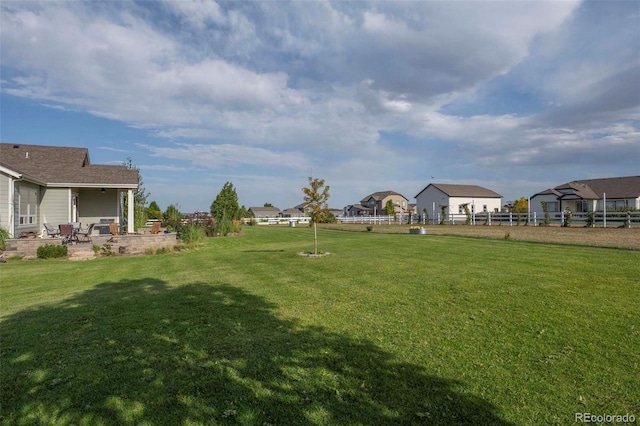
{"x":315,"y":238}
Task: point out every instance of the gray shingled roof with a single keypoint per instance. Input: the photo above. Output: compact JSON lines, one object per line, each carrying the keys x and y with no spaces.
{"x":55,"y":165}
{"x":265,"y":209}
{"x":615,"y":187}
{"x":381,"y":195}
{"x":593,"y":189}
{"x":453,"y":190}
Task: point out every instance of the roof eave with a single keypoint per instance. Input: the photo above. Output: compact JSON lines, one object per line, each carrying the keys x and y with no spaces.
{"x":91,"y":185}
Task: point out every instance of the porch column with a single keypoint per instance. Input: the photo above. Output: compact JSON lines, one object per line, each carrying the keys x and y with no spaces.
{"x":130,"y":221}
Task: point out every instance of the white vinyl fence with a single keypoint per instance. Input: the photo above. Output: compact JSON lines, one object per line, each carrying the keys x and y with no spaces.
{"x":597,"y":219}
{"x":612,"y":219}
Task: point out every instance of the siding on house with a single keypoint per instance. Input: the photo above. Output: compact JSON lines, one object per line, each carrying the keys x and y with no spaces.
{"x":587,"y":195}
{"x":434,"y":195}
{"x":54,"y":206}
{"x":20,"y":190}
{"x":94,"y":205}
{"x":6,"y":211}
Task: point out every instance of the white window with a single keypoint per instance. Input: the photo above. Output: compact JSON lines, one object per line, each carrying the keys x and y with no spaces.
{"x":552,"y":206}
{"x":28,"y":205}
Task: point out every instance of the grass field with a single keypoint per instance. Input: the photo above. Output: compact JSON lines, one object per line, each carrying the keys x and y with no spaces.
{"x":389,"y":329}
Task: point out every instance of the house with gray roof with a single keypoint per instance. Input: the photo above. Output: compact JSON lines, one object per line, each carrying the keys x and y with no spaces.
{"x":453,"y":197}
{"x":56,"y":185}
{"x":376,"y":203}
{"x":264,"y":212}
{"x":583,"y":196}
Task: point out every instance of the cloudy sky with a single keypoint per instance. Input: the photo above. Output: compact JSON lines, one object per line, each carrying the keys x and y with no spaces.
{"x":515,"y":96}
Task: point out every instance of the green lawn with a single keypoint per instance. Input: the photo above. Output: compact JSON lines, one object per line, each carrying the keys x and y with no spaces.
{"x":389,"y":329}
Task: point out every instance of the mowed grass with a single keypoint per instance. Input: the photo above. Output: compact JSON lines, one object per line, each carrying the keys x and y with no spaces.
{"x":389,"y":329}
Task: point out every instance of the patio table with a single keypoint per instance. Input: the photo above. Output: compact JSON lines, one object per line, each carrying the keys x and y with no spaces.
{"x":68,"y":232}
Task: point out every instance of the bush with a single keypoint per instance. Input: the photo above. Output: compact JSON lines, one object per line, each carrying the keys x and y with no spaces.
{"x":4,"y":234}
{"x":192,"y":234}
{"x":51,"y":251}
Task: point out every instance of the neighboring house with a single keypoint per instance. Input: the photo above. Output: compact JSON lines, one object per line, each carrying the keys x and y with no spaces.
{"x":357,"y":210}
{"x":377,"y":202}
{"x":51,"y":184}
{"x":297,"y":211}
{"x":454,"y":197}
{"x":264,"y":212}
{"x":582,"y":196}
{"x":336,"y":212}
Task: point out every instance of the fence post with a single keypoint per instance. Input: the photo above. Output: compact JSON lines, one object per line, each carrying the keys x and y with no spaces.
{"x":510,"y":219}
{"x":535,"y":219}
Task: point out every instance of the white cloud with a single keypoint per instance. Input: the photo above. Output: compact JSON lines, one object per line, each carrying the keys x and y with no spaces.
{"x":228,"y":156}
{"x":196,"y":12}
{"x":352,"y":88}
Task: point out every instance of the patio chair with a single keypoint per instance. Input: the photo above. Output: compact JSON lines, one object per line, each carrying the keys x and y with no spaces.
{"x":66,"y":232}
{"x":85,"y":236}
{"x":113,"y":228}
{"x":51,"y":231}
{"x":155,"y":228}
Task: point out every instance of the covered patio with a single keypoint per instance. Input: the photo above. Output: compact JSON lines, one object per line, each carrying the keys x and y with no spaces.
{"x":59,"y":185}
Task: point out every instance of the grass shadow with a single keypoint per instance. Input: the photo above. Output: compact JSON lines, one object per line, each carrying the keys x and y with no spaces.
{"x":141,"y":352}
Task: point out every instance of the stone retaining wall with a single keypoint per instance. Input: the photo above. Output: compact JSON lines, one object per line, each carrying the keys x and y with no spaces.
{"x":128,"y":245}
{"x":27,"y":248}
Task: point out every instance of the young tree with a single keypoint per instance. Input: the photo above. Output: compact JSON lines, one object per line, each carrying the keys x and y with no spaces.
{"x":173,"y":217}
{"x":467,"y":213}
{"x":243,"y":213}
{"x":225,"y":209}
{"x":389,"y":209}
{"x":315,"y":198}
{"x":139,"y":198}
{"x":519,"y":207}
{"x":172,"y":213}
{"x":154,"y":211}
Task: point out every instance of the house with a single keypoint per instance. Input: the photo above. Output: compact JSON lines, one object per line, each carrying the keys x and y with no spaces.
{"x":296,"y":211}
{"x":357,"y":210}
{"x":376,"y":203}
{"x":52,"y":184}
{"x":264,"y":212}
{"x":454,"y":197}
{"x":582,"y":196}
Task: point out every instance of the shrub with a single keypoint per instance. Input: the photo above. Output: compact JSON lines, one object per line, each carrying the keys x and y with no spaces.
{"x":107,"y":250}
{"x":547,"y":217}
{"x":192,"y":234}
{"x":51,"y":251}
{"x":4,"y":234}
{"x":568,"y":214}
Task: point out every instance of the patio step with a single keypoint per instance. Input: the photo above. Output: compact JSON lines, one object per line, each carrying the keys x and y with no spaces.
{"x":80,"y":252}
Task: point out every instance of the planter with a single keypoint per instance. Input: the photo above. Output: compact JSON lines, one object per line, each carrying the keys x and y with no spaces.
{"x":418,"y":231}
{"x":321,"y":254}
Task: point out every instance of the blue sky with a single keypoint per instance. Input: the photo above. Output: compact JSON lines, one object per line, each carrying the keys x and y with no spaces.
{"x":515,"y":96}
